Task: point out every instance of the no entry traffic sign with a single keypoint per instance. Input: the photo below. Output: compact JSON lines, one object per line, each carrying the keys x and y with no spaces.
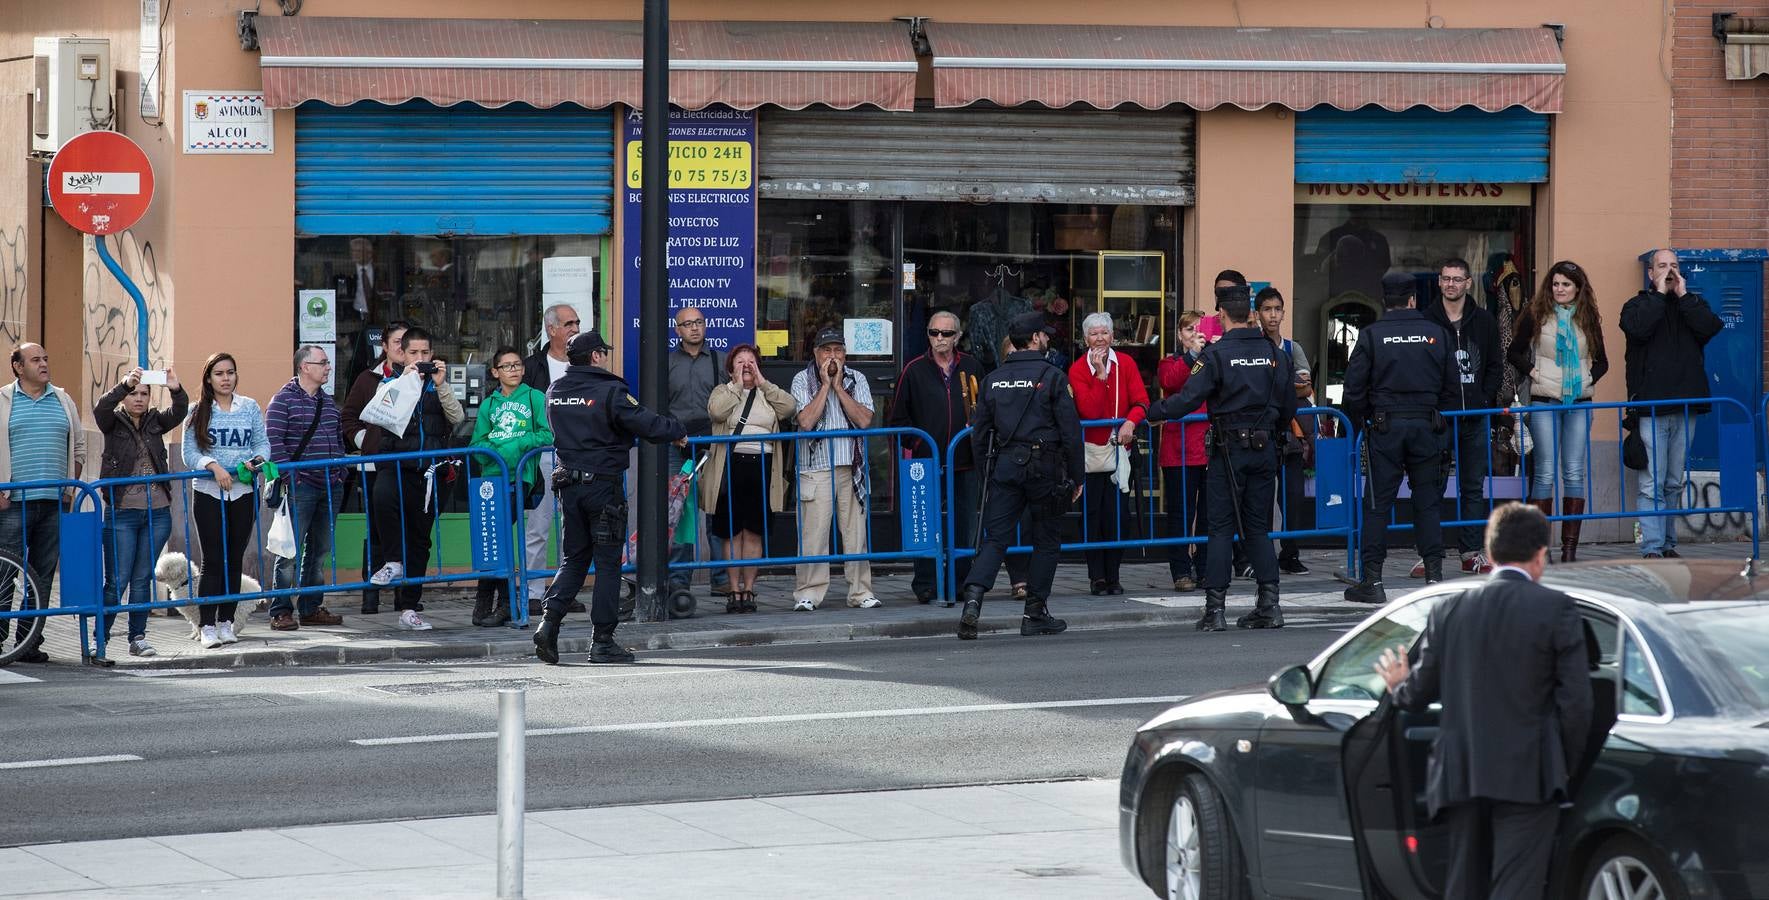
{"x":101,"y":182}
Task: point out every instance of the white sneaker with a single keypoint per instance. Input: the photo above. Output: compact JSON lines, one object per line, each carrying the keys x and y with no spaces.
{"x":388,"y":574}
{"x":410,"y":621}
{"x":209,"y":639}
{"x":868,"y":603}
{"x":804,"y":606}
{"x":141,"y":648}
{"x":224,"y":631}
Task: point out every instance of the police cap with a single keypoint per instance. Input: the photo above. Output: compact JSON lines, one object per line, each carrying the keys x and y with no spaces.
{"x":1235,"y":292}
{"x":583,"y":344}
{"x":1396,"y":288}
{"x":1024,"y":325}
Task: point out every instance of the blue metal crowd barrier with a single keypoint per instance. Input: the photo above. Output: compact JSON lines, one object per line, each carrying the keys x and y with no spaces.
{"x":926,"y":484}
{"x":81,"y":591}
{"x":1333,"y":474}
{"x":1738,"y":447}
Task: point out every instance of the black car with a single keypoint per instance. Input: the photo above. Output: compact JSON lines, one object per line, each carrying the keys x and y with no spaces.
{"x":1243,"y":793}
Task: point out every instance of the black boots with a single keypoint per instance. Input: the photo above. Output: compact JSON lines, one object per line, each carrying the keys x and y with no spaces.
{"x":1434,"y":570}
{"x":1266,"y":613}
{"x":973,"y":610}
{"x":546,"y":642}
{"x":1369,"y":591}
{"x":491,"y":605}
{"x":1038,"y":620}
{"x":603,"y":649}
{"x":1213,"y":618}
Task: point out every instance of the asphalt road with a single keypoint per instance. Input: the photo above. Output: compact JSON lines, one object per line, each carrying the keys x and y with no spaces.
{"x":280,"y":747}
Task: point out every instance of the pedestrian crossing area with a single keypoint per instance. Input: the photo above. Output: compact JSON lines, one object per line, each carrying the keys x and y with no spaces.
{"x":7,"y":676}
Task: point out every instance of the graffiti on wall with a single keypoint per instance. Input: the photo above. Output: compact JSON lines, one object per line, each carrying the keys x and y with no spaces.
{"x":13,"y":289}
{"x":108,"y":314}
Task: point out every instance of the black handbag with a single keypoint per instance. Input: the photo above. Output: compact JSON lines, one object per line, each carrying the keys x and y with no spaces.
{"x":1633,"y":446}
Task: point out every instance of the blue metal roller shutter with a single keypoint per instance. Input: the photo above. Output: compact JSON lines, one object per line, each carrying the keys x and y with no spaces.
{"x":1421,"y":146}
{"x":464,"y":170}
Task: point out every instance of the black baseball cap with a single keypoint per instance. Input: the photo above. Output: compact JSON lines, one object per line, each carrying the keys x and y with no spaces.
{"x":830,"y":336}
{"x":584,"y":343}
{"x":1024,"y":325}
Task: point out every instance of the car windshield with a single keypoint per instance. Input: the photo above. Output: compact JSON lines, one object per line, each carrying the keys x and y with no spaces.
{"x":1738,"y":635}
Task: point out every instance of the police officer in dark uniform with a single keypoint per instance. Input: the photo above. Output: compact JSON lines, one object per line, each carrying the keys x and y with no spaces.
{"x":1401,"y":376}
{"x":1249,"y":386}
{"x":594,"y":419}
{"x":1026,"y":430}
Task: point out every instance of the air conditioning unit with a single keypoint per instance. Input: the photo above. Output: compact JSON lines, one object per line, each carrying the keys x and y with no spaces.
{"x":75,"y":90}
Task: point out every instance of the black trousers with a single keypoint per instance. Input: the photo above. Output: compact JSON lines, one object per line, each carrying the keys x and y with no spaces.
{"x":1294,"y":484}
{"x":1473,"y":442}
{"x":595,"y":518}
{"x":1188,"y":515}
{"x":1255,"y":475}
{"x":1499,"y":851}
{"x":1008,"y":502}
{"x":372,"y":557}
{"x":223,"y":530}
{"x":1409,"y":447}
{"x":402,"y":529}
{"x":1109,"y":518}
{"x":962,"y":508}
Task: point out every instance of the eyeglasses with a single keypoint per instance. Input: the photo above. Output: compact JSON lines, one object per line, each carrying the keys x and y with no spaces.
{"x":1453,"y":279}
{"x":941,"y":333}
{"x":325,"y":363}
{"x":691,"y":323}
{"x":508,"y":367}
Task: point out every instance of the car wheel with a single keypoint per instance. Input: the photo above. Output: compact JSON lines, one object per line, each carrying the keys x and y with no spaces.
{"x":1203,"y":860}
{"x":1625,"y":868}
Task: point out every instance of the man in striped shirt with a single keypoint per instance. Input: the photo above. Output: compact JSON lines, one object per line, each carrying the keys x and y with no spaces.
{"x":832,"y":482}
{"x":304,"y":423}
{"x":44,"y":442}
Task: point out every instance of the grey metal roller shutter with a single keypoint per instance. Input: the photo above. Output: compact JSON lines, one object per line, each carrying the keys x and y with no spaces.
{"x":1013,"y":155}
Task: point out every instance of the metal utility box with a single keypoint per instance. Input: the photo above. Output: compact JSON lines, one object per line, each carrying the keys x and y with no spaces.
{"x":74,"y":92}
{"x":1731,"y":281}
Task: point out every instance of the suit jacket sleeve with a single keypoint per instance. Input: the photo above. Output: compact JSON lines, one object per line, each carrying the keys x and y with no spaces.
{"x":1572,"y":684}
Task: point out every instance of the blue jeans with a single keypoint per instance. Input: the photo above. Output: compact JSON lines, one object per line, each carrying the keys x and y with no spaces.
{"x":1562,"y":440}
{"x":682,"y":553}
{"x":133,"y":539}
{"x":311,"y":510}
{"x":1661,"y":485}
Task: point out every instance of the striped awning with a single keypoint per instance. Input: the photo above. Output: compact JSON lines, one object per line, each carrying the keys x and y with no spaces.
{"x":1300,"y":68}
{"x":594,"y":64}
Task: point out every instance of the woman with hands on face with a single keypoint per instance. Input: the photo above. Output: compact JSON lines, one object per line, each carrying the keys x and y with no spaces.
{"x":743,"y":481}
{"x":1107,"y":385}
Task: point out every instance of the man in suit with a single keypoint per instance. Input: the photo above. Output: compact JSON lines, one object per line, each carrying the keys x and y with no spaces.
{"x":1508,"y":662}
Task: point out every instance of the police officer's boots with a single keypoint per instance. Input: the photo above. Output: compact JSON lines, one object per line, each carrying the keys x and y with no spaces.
{"x":1266,"y":613}
{"x":546,"y":641}
{"x":1038,"y":620}
{"x":1434,"y":570}
{"x":603,"y":649}
{"x":482,"y":602}
{"x":973,"y":610}
{"x":1367,"y":591}
{"x":1213,"y":619}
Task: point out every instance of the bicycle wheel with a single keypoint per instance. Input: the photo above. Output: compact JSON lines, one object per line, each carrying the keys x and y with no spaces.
{"x":18,"y":591}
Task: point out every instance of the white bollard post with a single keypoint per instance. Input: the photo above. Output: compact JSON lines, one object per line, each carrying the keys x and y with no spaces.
{"x":512,"y":790}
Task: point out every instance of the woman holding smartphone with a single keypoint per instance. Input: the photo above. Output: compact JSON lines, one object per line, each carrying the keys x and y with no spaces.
{"x":225,"y":434}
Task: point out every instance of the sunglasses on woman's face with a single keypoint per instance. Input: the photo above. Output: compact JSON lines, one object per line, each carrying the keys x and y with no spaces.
{"x":941,"y":333}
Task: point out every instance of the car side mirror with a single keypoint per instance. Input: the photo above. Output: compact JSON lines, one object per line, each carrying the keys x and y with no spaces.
{"x":1292,"y":686}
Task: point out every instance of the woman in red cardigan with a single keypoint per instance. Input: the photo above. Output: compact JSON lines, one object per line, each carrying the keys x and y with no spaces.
{"x":1107,"y":386}
{"x":1183,"y":460}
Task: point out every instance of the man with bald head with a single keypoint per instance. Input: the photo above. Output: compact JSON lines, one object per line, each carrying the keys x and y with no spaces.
{"x":560,"y":323}
{"x":936,"y":393}
{"x":43,"y":442}
{"x":1668,"y":327}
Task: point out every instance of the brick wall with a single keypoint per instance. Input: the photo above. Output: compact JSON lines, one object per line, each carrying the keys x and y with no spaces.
{"x":1720,"y":142}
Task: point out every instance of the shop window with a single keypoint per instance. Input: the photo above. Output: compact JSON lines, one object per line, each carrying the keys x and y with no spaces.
{"x":827,"y":265}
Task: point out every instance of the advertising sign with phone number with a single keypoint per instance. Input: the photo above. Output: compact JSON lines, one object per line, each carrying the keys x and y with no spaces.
{"x":712,"y":226}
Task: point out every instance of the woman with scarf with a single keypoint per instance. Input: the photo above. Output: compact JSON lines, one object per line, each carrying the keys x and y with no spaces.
{"x":1557,"y":348}
{"x":1107,"y":386}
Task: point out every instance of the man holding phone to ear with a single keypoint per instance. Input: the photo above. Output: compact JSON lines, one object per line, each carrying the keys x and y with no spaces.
{"x":1667,"y":327}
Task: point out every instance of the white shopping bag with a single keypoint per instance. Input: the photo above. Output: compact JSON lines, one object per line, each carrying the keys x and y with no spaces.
{"x":280,"y":539}
{"x":394,"y":402}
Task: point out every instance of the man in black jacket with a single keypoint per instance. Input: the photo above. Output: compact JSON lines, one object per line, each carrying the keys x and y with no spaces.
{"x":1667,"y":327}
{"x":1509,"y":664}
{"x":1480,"y":366}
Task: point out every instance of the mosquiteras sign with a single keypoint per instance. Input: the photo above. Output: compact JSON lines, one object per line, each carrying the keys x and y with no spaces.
{"x":712,"y":225}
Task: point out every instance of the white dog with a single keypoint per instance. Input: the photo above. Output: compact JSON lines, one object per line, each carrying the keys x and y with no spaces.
{"x":175,"y":577}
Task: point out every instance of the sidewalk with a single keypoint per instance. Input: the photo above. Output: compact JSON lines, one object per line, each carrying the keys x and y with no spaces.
{"x":1149,"y":599}
{"x":1057,"y":840}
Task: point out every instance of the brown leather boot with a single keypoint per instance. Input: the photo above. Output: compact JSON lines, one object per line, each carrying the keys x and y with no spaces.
{"x":1569,"y":530}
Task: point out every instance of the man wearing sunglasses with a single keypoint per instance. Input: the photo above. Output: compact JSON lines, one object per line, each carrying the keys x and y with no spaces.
{"x":695,"y":369}
{"x":936,"y":393}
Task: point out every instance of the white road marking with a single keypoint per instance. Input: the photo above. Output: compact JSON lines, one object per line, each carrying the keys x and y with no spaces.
{"x":774,"y":720}
{"x":10,"y":677}
{"x":691,"y":670}
{"x":70,"y":761}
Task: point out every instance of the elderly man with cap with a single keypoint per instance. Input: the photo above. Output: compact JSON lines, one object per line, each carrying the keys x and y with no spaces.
{"x":832,"y":474}
{"x":1026,"y":431}
{"x":595,"y":419}
{"x":1401,"y":376}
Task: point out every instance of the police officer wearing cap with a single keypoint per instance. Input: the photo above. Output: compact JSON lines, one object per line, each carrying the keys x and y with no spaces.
{"x":1028,"y":434}
{"x":1401,"y":376}
{"x":595,"y":419}
{"x":1249,"y":386}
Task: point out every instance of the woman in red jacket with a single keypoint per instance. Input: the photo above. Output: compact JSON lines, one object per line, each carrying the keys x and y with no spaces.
{"x":1107,"y":386}
{"x":1182,"y":461}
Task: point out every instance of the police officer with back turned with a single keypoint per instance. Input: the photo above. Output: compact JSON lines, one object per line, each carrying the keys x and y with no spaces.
{"x":1401,"y":376}
{"x":595,"y":419}
{"x":1249,"y":386}
{"x":1028,"y":434}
